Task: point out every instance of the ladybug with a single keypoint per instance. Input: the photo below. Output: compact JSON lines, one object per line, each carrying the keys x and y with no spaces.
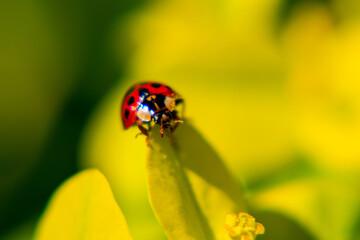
{"x":149,"y":102}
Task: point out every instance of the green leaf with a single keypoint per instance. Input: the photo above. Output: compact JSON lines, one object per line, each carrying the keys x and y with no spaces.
{"x":83,"y":208}
{"x":190,"y":189}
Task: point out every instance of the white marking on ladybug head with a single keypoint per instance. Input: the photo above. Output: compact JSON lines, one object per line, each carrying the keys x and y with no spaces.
{"x":170,"y":103}
{"x":143,"y":113}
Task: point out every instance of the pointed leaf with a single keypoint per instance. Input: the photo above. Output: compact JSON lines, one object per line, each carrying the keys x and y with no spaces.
{"x":190,"y":189}
{"x":171,"y":195}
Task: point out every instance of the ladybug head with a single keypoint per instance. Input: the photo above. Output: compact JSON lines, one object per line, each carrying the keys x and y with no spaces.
{"x":156,"y":107}
{"x":163,"y":117}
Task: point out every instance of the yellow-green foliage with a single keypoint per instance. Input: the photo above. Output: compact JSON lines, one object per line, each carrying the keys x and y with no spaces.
{"x":83,"y":208}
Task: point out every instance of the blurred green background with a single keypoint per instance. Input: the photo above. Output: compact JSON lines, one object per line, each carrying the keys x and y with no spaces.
{"x":273,"y":85}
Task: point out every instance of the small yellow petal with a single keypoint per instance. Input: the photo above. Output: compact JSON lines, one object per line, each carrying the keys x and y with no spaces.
{"x":231,"y":219}
{"x":260,"y":229}
{"x":242,"y":227}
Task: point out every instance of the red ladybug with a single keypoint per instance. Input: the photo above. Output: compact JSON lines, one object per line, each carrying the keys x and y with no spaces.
{"x":150,"y":102}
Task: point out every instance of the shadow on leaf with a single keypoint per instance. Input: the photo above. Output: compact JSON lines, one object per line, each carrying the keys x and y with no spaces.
{"x":196,"y":155}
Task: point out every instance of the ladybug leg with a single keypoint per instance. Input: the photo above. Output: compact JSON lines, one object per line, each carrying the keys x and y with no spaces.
{"x":177,"y":123}
{"x":162,"y":131}
{"x":141,"y":128}
{"x":163,"y":126}
{"x":143,"y":131}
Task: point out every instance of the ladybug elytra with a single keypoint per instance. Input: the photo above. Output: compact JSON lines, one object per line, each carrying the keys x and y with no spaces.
{"x":150,"y":102}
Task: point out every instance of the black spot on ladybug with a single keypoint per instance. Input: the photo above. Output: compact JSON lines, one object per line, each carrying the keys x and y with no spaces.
{"x":160,"y":101}
{"x":127,"y":112}
{"x":156,"y":85}
{"x":128,"y":92}
{"x":143,"y":92}
{"x":131,"y":100}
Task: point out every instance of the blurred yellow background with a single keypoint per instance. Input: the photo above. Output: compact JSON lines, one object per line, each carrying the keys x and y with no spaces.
{"x":273,"y":86}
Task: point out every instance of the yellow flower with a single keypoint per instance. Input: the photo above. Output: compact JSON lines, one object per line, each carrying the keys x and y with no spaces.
{"x":242,"y":226}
